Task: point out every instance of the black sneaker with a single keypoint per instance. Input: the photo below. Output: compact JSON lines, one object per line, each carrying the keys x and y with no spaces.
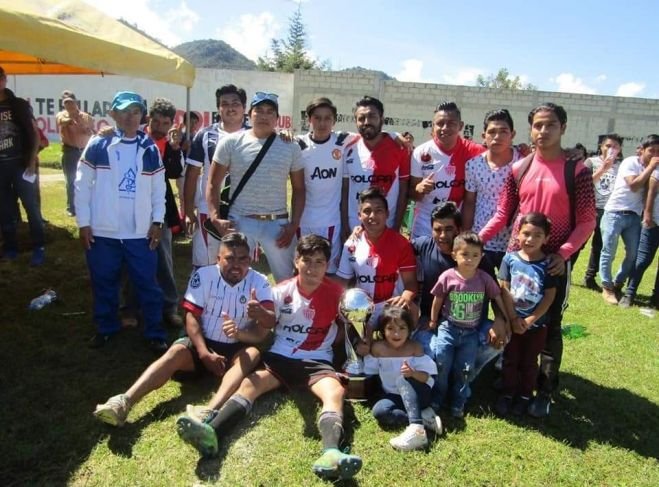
{"x":539,"y":408}
{"x":520,"y":406}
{"x":591,"y":283}
{"x":157,"y":346}
{"x":99,"y":340}
{"x":503,"y":404}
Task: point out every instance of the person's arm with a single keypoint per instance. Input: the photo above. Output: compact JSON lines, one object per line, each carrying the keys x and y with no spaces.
{"x":604,"y":167}
{"x":408,"y":372}
{"x":468,"y":209}
{"x":637,"y":183}
{"x":401,"y":203}
{"x":507,"y":300}
{"x":435,"y":311}
{"x":586,"y":219}
{"x":648,"y":217}
{"x":215,"y":178}
{"x":420,"y":187}
{"x":84,"y":181}
{"x":297,"y":207}
{"x":345,"y":222}
{"x":406,"y":298}
{"x":506,"y":206}
{"x":215,"y":363}
{"x":542,"y":307}
{"x":158,"y":192}
{"x":190,"y":180}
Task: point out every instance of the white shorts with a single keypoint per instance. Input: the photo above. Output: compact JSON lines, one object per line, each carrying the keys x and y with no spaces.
{"x":333,"y":234}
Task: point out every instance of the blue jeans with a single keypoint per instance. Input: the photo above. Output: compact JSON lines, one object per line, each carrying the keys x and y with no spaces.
{"x":105,"y":260}
{"x":618,"y":224}
{"x":266,"y":233}
{"x":455,"y":350}
{"x":12,"y":186}
{"x":647,"y":248}
{"x":399,"y":409}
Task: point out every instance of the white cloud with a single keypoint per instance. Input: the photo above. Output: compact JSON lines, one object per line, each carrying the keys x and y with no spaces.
{"x":411,"y":71}
{"x":630,"y":89}
{"x":569,"y":83}
{"x":464,"y":76}
{"x":146,"y":14}
{"x":600,"y":78}
{"x":250,"y":34}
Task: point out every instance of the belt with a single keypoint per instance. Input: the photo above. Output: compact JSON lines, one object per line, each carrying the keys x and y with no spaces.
{"x":625,"y":212}
{"x":73,"y":147}
{"x":268,"y":216}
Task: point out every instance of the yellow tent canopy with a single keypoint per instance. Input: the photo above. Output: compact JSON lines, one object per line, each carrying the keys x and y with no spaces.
{"x":71,"y":37}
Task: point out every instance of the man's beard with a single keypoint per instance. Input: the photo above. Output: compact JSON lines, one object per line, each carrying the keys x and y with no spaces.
{"x":369,"y":132}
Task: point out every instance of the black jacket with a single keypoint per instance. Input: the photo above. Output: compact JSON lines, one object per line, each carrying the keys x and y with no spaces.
{"x":22,"y":115}
{"x":173,"y":162}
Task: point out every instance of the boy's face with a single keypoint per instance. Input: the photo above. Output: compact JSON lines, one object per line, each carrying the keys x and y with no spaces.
{"x":609,"y":144}
{"x":159,"y":126}
{"x":531,"y":238}
{"x":498,"y":137}
{"x":373,"y":216}
{"x":231,"y":109}
{"x":322,"y":122}
{"x":648,"y":153}
{"x":444,"y":231}
{"x":467,"y":256}
{"x":311,"y":268}
{"x":546,"y":130}
{"x":128,"y":119}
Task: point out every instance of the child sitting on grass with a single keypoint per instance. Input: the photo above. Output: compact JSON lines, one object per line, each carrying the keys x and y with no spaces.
{"x":406,"y":376}
{"x":530,"y":291}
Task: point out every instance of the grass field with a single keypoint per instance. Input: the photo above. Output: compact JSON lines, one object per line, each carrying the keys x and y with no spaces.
{"x":603,"y":428}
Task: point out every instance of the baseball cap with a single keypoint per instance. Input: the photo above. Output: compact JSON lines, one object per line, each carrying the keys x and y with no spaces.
{"x":2,"y":72}
{"x":263,"y":97}
{"x":68,"y":96}
{"x":124,"y":99}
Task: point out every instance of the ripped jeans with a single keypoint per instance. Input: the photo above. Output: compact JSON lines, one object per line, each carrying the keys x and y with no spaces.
{"x":455,"y":350}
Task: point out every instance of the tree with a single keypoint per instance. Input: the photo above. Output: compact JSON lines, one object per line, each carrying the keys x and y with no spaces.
{"x":290,"y":54}
{"x":503,"y":80}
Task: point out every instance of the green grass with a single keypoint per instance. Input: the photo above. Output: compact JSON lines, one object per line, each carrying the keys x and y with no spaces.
{"x":51,"y":156}
{"x":602,"y":431}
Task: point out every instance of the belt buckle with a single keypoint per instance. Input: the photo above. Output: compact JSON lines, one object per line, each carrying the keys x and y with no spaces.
{"x":266,"y":217}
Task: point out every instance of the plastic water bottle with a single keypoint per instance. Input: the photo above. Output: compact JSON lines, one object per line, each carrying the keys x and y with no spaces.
{"x":43,"y":300}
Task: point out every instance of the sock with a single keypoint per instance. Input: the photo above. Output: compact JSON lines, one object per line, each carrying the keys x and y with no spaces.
{"x":330,"y":424}
{"x":235,"y":409}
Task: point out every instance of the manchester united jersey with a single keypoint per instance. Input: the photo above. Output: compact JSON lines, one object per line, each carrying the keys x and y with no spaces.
{"x":305,"y":323}
{"x":384,"y":166}
{"x":209,"y":297}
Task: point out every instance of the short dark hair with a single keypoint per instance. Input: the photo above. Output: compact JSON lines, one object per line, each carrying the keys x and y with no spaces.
{"x":234,"y":240}
{"x":373,"y":193}
{"x":447,"y":210}
{"x":369,"y":101}
{"x":193,"y":116}
{"x":468,"y":238}
{"x":612,"y":136}
{"x":499,"y":115}
{"x":448,"y":106}
{"x":310,"y":244}
{"x":395,"y":314}
{"x":162,"y":106}
{"x":652,"y":139}
{"x":536,"y":219}
{"x":558,"y":110}
{"x":318,"y":103}
{"x":230,"y":90}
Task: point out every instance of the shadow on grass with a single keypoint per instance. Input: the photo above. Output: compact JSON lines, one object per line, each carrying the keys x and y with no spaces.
{"x":585,"y":412}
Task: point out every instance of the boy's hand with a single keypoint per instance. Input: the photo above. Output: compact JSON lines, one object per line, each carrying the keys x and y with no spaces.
{"x":405,"y":370}
{"x":519,"y":325}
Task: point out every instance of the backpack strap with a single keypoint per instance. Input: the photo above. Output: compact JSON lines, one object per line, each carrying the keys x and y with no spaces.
{"x":568,"y":174}
{"x":523,"y":168}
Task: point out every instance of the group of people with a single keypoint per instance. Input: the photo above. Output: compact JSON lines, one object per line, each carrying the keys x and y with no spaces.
{"x":491,"y":226}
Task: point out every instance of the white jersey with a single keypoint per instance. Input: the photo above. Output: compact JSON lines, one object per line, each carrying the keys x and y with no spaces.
{"x":323,"y":176}
{"x":305,"y":324}
{"x":209,"y":297}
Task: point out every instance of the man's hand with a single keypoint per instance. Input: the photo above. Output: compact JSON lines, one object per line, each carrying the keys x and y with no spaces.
{"x":519,"y":325}
{"x":400,"y":301}
{"x":174,"y":138}
{"x":556,"y":266}
{"x":229,"y":327}
{"x":106,"y":131}
{"x":223,"y":226}
{"x":190,"y":221}
{"x":214,"y":363}
{"x":287,"y":135}
{"x":654,"y":162}
{"x":405,"y":369}
{"x":86,"y":237}
{"x":255,"y":310}
{"x":286,"y":235}
{"x":648,"y":222}
{"x":426,"y":185}
{"x":154,"y":236}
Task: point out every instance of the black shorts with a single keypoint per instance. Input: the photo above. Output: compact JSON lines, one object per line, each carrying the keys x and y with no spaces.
{"x":297,"y":373}
{"x":227,"y":350}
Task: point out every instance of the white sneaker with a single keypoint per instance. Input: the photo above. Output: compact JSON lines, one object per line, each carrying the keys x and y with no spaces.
{"x":114,"y":411}
{"x":413,"y":438}
{"x":432,"y":421}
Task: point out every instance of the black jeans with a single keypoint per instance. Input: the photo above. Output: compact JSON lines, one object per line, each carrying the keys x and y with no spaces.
{"x":595,"y":248}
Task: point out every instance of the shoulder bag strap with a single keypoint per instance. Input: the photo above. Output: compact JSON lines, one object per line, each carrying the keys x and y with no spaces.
{"x":252,"y":168}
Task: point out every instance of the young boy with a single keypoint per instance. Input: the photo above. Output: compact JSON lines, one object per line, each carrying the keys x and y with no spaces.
{"x":300,"y":357}
{"x":460,"y":296}
{"x":524,"y":276}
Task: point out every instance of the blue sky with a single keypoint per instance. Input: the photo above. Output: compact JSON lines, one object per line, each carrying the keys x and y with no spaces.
{"x":579,"y":46}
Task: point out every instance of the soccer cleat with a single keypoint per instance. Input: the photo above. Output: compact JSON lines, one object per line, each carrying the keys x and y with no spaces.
{"x":413,"y":438}
{"x":432,"y":421}
{"x":539,"y":408}
{"x":202,"y":414}
{"x":200,"y":435}
{"x":334,"y":464}
{"x":115,"y":410}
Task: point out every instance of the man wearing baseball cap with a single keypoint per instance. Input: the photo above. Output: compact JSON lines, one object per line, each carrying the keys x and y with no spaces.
{"x":120,"y":209}
{"x":260,"y":211}
{"x":75,"y":127}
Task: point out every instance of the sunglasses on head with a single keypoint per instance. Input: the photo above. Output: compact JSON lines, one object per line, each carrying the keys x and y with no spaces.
{"x":260,"y":96}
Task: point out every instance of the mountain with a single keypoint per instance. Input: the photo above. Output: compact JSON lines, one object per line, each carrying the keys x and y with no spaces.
{"x":211,"y":53}
{"x":359,"y":69}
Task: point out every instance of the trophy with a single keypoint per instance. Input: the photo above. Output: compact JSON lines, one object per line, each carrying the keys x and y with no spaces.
{"x":355,"y":308}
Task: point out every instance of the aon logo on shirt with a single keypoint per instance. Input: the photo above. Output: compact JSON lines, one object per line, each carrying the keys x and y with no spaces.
{"x":323,"y":173}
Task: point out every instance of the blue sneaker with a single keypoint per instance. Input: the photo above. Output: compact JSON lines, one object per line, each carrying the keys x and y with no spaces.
{"x":38,"y":257}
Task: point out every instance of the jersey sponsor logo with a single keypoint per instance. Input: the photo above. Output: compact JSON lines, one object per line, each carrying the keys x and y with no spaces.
{"x":366,"y":279}
{"x":336,"y":154}
{"x":323,"y":173}
{"x":286,"y":309}
{"x":309,"y":313}
{"x":309,"y":330}
{"x":427,"y":167}
{"x":195,"y":281}
{"x":373,"y":178}
{"x":449,"y":184}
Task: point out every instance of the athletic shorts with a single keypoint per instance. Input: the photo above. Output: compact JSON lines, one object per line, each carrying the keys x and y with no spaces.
{"x":297,"y":373}
{"x":333,"y":234}
{"x":227,"y":350}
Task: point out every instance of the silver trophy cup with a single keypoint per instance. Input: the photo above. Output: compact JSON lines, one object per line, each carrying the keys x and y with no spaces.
{"x":355,"y":307}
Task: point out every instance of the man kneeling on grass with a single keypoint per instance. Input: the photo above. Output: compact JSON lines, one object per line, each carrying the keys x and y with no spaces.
{"x":223,"y":302}
{"x":301,"y":356}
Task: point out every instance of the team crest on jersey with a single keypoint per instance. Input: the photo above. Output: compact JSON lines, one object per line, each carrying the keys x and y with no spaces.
{"x":195,"y":281}
{"x":351,"y":249}
{"x":450,"y":170}
{"x":309,"y":313}
{"x":425,"y":157}
{"x":288,"y":299}
{"x":336,"y":154}
{"x":243,"y":299}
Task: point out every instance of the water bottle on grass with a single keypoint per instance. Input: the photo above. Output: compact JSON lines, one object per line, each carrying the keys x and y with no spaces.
{"x":45,"y":299}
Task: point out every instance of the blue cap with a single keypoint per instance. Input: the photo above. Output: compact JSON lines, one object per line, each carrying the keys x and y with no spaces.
{"x":124,"y":99}
{"x":262,"y":97}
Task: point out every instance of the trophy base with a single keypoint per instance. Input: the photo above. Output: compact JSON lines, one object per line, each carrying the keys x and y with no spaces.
{"x":361,"y":387}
